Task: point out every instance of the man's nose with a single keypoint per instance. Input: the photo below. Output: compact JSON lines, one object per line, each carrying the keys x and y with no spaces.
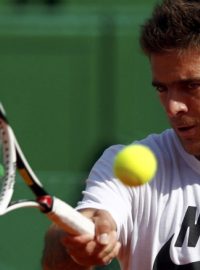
{"x":175,"y":106}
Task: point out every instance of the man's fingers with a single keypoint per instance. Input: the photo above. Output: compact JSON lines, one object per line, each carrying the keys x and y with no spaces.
{"x":78,"y":240}
{"x":104,"y":227}
{"x":103,"y":238}
{"x":108,"y":249}
{"x":107,"y":255}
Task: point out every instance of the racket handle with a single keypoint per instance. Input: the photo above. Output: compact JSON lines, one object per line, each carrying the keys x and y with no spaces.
{"x":69,"y":219}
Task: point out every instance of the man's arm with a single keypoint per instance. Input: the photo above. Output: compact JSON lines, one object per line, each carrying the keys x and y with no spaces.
{"x":55,"y":255}
{"x":60,"y":247}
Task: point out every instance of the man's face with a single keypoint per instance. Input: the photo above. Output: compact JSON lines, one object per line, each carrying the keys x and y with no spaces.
{"x":177,"y":80}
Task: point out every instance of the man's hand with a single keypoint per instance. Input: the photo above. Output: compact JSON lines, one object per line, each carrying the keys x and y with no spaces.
{"x":63,"y":250}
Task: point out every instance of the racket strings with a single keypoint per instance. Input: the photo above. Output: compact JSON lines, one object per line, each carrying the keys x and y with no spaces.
{"x":7,"y":166}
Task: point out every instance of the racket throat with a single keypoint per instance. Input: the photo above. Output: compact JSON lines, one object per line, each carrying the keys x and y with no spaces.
{"x":46,"y":203}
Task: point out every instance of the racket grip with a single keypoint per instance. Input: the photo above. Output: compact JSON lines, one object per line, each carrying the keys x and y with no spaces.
{"x":69,"y":219}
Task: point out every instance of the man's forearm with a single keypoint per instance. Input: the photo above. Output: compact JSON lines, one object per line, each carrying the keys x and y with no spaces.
{"x":65,"y":263}
{"x":55,"y":256}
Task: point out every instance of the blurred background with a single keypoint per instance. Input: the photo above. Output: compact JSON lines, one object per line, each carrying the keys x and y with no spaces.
{"x":73,"y":81}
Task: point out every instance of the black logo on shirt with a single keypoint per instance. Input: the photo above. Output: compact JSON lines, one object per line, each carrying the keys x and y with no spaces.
{"x":163,"y":260}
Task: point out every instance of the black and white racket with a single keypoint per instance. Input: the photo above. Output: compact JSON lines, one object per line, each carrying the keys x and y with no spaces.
{"x":12,"y":158}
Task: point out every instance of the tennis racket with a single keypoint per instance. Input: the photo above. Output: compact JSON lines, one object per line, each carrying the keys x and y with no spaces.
{"x":12,"y":159}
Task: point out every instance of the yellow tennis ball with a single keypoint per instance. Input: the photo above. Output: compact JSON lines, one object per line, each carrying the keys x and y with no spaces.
{"x":135,"y":165}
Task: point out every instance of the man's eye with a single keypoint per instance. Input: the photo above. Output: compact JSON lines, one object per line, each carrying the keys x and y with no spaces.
{"x":193,"y":86}
{"x":160,"y":88}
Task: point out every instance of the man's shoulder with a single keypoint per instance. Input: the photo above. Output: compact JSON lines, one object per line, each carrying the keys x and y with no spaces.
{"x":161,"y":143}
{"x":164,"y":139}
{"x":167,"y":137}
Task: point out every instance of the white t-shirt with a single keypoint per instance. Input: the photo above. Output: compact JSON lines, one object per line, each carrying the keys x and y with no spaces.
{"x":158,"y":223}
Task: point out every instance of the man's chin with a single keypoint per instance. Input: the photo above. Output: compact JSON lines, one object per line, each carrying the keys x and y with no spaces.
{"x":191,"y":147}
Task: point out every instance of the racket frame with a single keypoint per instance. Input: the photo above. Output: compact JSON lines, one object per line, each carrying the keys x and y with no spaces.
{"x":56,"y":210}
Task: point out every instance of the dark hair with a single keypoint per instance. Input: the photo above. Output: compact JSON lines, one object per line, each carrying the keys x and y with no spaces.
{"x":175,"y":24}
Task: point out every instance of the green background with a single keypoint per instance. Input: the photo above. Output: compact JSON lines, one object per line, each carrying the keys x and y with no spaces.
{"x":73,"y":81}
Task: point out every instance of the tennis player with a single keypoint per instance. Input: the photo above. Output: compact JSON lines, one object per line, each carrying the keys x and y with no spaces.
{"x":155,"y":226}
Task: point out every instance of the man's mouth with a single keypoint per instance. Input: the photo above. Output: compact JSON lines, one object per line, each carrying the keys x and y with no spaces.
{"x":185,"y":128}
{"x":186,"y":131}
